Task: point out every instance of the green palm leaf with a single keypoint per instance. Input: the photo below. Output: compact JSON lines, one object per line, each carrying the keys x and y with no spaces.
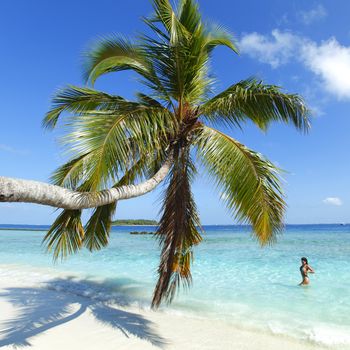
{"x":258,"y":102}
{"x":113,"y":54}
{"x":165,"y":14}
{"x":106,"y":143}
{"x":66,"y":234}
{"x":79,"y":100}
{"x":98,"y":227}
{"x":189,"y":15}
{"x":219,"y":36}
{"x":71,"y":173}
{"x":249,"y":182}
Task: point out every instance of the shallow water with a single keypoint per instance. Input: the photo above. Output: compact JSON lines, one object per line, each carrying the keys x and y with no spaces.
{"x":233,"y":277}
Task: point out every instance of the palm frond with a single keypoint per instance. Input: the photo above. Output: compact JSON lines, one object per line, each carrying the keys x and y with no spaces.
{"x":99,"y":225}
{"x":173,"y":59}
{"x":177,"y":230}
{"x":250,"y":183}
{"x":112,"y":54}
{"x":70,"y":174}
{"x":258,"y":102}
{"x":189,"y":15}
{"x":181,"y":69}
{"x":80,"y":100}
{"x":100,"y":119}
{"x":165,"y":14}
{"x":147,"y":100}
{"x":65,"y":235}
{"x":114,"y":142}
{"x":96,"y":136}
{"x":160,"y":33}
{"x":219,"y":36}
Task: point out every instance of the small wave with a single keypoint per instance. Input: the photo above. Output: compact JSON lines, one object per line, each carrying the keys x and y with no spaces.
{"x":330,"y":336}
{"x":323,"y":335}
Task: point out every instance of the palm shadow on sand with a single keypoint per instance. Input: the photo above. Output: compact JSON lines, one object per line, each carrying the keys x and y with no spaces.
{"x":40,"y":309}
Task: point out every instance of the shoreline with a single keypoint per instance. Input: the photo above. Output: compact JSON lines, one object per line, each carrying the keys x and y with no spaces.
{"x":42,"y":316}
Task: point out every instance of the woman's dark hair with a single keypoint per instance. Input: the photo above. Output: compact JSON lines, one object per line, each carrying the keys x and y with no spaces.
{"x":304,"y":259}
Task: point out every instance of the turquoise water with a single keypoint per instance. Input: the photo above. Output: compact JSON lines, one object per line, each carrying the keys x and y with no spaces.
{"x":233,"y":277}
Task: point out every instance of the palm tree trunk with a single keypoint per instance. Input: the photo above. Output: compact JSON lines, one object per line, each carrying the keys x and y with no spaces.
{"x":19,"y":190}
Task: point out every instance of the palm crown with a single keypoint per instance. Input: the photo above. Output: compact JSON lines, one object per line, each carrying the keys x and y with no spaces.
{"x":115,"y":141}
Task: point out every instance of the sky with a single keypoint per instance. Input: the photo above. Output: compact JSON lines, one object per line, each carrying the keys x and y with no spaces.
{"x":303,"y":46}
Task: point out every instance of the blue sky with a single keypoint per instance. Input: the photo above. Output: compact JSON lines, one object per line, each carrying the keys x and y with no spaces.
{"x":302,"y":46}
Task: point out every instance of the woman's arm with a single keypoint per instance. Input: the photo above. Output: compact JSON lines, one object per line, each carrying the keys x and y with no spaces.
{"x":310,"y":269}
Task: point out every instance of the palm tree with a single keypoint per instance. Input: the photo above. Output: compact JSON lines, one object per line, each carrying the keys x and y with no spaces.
{"x":168,"y":130}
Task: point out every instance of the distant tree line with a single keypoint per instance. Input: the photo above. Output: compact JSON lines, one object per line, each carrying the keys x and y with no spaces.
{"x":134,"y":222}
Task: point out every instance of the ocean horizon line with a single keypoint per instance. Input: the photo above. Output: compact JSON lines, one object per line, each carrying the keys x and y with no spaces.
{"x":44,"y":227}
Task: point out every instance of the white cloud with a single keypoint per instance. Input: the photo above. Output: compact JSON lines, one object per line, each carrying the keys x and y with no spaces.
{"x":313,"y":15}
{"x":329,"y":61}
{"x":333,"y":201}
{"x":275,"y":50}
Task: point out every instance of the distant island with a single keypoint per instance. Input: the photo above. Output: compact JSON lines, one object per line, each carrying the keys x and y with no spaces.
{"x":130,"y":222}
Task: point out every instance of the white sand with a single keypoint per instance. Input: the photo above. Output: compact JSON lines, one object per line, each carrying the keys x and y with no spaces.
{"x":55,"y":319}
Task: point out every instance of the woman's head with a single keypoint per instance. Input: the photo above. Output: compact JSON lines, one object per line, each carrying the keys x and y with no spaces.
{"x":304,"y":261}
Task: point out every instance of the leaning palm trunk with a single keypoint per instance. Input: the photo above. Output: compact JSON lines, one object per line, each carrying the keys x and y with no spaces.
{"x":18,"y":190}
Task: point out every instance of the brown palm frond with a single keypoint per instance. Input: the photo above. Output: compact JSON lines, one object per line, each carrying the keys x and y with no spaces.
{"x":177,"y":230}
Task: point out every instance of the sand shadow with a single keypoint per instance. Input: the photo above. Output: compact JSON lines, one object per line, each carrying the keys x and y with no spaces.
{"x":40,"y":309}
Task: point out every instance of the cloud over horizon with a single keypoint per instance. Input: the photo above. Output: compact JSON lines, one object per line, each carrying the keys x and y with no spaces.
{"x":333,"y":201}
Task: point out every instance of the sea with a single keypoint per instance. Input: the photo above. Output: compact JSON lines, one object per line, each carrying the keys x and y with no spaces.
{"x":234,"y":278}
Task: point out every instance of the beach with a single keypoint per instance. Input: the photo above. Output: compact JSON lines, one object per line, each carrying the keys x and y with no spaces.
{"x":44,"y":318}
{"x":101,"y":300}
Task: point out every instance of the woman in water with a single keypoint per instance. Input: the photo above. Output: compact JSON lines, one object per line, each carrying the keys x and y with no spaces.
{"x":304,"y":269}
